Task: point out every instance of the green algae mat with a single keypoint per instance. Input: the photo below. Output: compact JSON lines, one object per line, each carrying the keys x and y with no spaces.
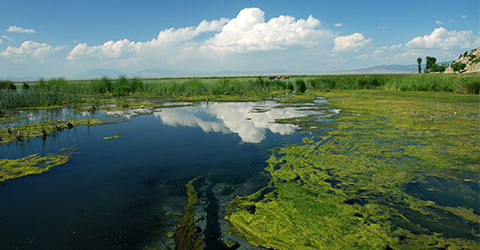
{"x":42,"y":129}
{"x":398,"y":170}
{"x":37,"y":164}
{"x":33,"y":164}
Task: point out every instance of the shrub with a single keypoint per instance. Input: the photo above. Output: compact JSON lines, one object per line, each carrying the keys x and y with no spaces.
{"x":471,"y":86}
{"x":7,"y":85}
{"x":458,"y":66}
{"x":438,"y":68}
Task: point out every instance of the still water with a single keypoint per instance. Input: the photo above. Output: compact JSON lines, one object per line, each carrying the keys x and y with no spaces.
{"x":123,"y":193}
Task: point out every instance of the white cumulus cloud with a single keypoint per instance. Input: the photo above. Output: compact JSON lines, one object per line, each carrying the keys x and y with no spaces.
{"x":19,"y":29}
{"x":124,"y":47}
{"x":109,"y":49}
{"x":396,"y":46}
{"x":438,"y":22}
{"x":248,"y":31}
{"x":219,"y":44}
{"x":7,"y":38}
{"x":338,"y":25}
{"x":441,"y":38}
{"x":29,"y":49}
{"x":351,"y":42}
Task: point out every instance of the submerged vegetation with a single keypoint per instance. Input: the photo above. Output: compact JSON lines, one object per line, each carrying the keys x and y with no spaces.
{"x":367,"y":184}
{"x":186,"y":235}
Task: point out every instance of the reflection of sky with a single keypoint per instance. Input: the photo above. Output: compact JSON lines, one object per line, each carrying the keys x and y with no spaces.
{"x":239,"y":118}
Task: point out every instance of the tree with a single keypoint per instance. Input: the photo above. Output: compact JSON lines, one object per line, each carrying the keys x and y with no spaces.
{"x":465,"y":54}
{"x":458,"y":66}
{"x":438,"y":68}
{"x":419,"y":61}
{"x":430,"y":61}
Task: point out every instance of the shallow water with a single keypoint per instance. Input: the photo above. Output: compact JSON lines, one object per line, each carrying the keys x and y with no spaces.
{"x":119,"y":194}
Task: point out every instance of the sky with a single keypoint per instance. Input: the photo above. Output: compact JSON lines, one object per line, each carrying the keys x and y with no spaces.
{"x":57,"y":38}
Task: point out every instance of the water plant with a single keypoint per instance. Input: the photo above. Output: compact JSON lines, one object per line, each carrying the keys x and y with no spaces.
{"x":32,"y":164}
{"x":117,"y":136}
{"x":42,"y":129}
{"x":186,"y":235}
{"x":352,"y":188}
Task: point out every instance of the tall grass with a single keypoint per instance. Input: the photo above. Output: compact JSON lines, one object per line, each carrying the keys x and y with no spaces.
{"x":416,"y":82}
{"x":58,"y":91}
{"x":7,"y":85}
{"x":225,"y":86}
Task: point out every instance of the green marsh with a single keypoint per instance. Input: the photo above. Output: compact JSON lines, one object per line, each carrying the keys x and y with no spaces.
{"x":352,"y":187}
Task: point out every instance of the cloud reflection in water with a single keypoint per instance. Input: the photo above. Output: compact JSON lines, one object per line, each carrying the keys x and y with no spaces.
{"x":250,"y":120}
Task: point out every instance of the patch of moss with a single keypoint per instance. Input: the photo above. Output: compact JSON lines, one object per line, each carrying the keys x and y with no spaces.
{"x":32,"y":164}
{"x":348,"y":190}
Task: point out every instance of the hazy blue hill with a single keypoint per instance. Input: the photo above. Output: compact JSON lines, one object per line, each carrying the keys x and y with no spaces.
{"x":97,"y":73}
{"x":157,"y":72}
{"x":385,"y":69}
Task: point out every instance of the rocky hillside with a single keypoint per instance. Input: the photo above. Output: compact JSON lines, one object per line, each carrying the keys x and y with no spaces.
{"x":470,"y":60}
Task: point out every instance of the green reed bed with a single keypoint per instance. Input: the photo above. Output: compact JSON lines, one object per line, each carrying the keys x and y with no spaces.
{"x":468,"y":83}
{"x":197,"y":87}
{"x":60,"y":92}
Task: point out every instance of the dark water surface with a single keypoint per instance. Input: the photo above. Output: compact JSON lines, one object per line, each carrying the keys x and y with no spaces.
{"x":117,"y":194}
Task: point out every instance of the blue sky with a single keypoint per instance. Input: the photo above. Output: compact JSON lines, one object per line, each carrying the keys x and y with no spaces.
{"x":65,"y":38}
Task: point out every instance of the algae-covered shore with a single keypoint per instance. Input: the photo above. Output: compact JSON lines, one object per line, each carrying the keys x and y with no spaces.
{"x":399,"y":170}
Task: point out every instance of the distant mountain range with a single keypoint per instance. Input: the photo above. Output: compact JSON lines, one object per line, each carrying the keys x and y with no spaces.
{"x":111,"y":73}
{"x":160,"y":72}
{"x":384,"y":69}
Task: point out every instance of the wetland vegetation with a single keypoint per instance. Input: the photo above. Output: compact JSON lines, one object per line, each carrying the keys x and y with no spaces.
{"x":353,"y":187}
{"x":393,"y":164}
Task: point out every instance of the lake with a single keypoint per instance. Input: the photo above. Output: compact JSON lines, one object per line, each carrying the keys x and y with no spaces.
{"x":126,"y":193}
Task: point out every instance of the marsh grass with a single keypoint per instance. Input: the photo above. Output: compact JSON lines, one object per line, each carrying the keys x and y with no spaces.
{"x":7,"y":85}
{"x":60,"y":92}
